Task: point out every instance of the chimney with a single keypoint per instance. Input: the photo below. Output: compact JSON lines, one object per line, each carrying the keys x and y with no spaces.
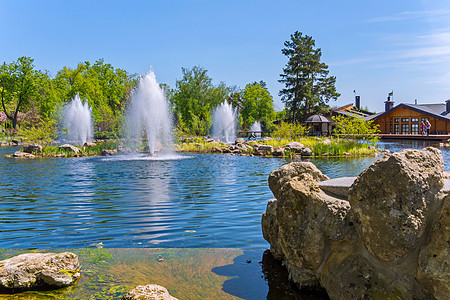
{"x":358,"y":102}
{"x":388,"y":105}
{"x":447,"y":106}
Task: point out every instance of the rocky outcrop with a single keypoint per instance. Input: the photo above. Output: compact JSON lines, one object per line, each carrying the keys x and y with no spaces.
{"x":70,"y":148}
{"x":148,"y":292}
{"x":21,"y":154}
{"x":388,"y":239}
{"x":32,"y":148}
{"x":34,"y":271}
{"x":107,"y":152}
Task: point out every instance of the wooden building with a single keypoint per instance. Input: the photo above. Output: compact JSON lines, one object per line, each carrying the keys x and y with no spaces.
{"x":407,"y":118}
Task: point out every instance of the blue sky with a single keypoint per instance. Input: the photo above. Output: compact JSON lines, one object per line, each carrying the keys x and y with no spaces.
{"x":373,"y":47}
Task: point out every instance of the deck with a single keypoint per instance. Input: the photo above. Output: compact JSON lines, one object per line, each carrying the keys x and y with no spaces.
{"x":431,"y":137}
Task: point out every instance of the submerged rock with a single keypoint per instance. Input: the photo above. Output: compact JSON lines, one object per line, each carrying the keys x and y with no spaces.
{"x":388,"y":240}
{"x":148,"y":292}
{"x":34,"y":271}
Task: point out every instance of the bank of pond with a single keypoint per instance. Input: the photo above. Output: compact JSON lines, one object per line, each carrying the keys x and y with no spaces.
{"x":266,"y":147}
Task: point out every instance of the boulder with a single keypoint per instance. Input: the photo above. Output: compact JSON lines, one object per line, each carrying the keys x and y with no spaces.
{"x":241,"y":146}
{"x":388,"y":240}
{"x":295,"y":146}
{"x":21,"y":154}
{"x":35,"y":271}
{"x":148,"y":292}
{"x":107,"y":152}
{"x":278,"y":152}
{"x":265,"y":149}
{"x":70,"y":147}
{"x":89,"y":144}
{"x":326,"y":142}
{"x":125,"y":150}
{"x":32,"y":148}
{"x":306,"y":152}
{"x":394,"y":196}
{"x":239,"y":141}
{"x":209,"y":140}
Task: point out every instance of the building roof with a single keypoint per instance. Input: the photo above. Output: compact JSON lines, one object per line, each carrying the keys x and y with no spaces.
{"x":437,"y":110}
{"x":317,"y":119}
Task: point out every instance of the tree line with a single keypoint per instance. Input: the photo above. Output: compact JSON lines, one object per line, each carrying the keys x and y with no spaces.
{"x":32,"y":96}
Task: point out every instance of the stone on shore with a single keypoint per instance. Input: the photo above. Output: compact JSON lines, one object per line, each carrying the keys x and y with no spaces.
{"x":35,"y":271}
{"x":107,"y":152}
{"x":295,"y":147}
{"x":390,"y":240}
{"x":70,"y":147}
{"x":20,"y":154}
{"x":32,"y":148}
{"x":148,"y":292}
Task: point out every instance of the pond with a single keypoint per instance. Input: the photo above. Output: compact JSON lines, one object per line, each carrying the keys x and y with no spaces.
{"x":186,"y":202}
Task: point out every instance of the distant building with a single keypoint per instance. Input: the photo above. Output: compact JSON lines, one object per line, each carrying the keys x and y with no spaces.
{"x":407,"y":118}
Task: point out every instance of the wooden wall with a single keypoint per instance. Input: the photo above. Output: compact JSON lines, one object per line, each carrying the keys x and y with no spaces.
{"x":437,"y":126}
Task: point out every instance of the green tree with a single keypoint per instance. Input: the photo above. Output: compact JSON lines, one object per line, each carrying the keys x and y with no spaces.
{"x":256,"y":104}
{"x":17,"y":87}
{"x":193,"y":99}
{"x":308,"y":88}
{"x":355,"y":127}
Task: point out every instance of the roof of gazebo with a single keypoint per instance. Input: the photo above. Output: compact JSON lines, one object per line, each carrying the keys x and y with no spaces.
{"x":317,"y":119}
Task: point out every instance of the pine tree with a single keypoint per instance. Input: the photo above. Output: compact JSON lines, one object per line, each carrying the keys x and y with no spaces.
{"x":308,"y":88}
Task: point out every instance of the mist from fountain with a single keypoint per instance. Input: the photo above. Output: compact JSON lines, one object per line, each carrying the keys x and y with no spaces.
{"x":149,"y":118}
{"x":224,"y":120}
{"x":78,"y":121}
{"x":256,"y":127}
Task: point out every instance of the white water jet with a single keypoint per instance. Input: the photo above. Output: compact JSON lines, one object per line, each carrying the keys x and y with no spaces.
{"x":78,"y":121}
{"x":148,"y":116}
{"x":224,"y":122}
{"x":256,"y":127}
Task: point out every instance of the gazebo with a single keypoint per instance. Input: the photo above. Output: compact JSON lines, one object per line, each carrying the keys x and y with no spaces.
{"x":320,"y":125}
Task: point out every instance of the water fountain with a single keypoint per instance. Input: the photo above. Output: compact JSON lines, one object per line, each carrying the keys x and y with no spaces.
{"x":78,"y":122}
{"x":148,"y":117}
{"x":224,"y":122}
{"x":256,"y":127}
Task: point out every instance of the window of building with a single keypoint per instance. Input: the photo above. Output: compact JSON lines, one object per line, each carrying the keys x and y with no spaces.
{"x":396,"y":120}
{"x":424,"y":119}
{"x":396,"y":128}
{"x":414,"y":119}
{"x":405,"y":128}
{"x":405,"y":119}
{"x":414,"y":128}
{"x":391,"y":120}
{"x":390,"y":128}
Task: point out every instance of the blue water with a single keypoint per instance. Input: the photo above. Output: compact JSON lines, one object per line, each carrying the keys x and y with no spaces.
{"x":124,"y":202}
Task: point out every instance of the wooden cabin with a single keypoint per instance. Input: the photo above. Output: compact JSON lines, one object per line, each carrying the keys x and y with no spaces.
{"x":407,"y":118}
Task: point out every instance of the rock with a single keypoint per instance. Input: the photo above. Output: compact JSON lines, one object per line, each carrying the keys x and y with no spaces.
{"x":266,"y":139}
{"x":70,"y":147}
{"x":306,"y":152}
{"x":295,"y":146}
{"x":326,"y":142}
{"x":394,"y":196}
{"x":90,"y":144}
{"x":34,"y":271}
{"x":148,"y":292}
{"x":241,"y":146}
{"x":107,"y":152}
{"x":217,"y":149}
{"x":21,"y":154}
{"x":32,"y":148}
{"x":125,"y":150}
{"x":278,"y":152}
{"x":239,"y":141}
{"x":390,"y":240}
{"x":265,"y":149}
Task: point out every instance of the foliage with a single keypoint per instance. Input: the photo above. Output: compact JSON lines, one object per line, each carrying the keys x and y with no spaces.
{"x":356,"y":127}
{"x":290,"y":131}
{"x":256,"y":104}
{"x":308,"y":88}
{"x":194,"y":97}
{"x":43,"y":132}
{"x":18,"y":86}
